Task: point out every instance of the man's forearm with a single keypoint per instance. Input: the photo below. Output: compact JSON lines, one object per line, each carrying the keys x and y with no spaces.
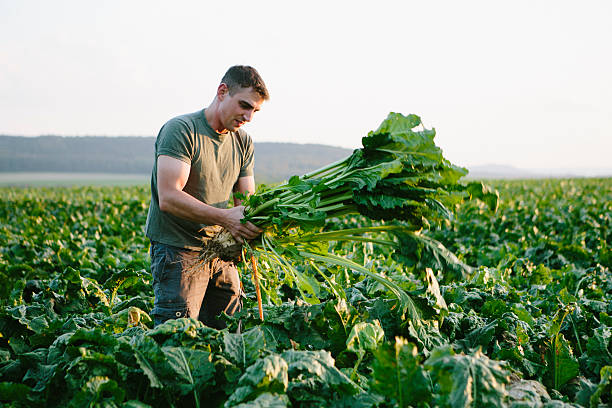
{"x":185,"y":206}
{"x":244,"y":185}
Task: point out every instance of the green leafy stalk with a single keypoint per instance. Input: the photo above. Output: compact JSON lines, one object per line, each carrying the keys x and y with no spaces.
{"x":406,"y":303}
{"x":398,"y":175}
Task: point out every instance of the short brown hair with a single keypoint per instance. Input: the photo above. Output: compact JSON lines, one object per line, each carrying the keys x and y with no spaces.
{"x":244,"y":76}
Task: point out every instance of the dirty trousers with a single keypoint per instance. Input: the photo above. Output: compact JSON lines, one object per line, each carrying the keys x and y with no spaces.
{"x":182,"y":292}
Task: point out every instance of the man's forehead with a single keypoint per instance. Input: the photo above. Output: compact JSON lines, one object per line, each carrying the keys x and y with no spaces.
{"x":250,"y":96}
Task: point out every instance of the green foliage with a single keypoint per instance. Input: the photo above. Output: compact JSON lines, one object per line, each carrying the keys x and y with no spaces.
{"x":13,"y":392}
{"x":528,"y":325}
{"x":399,"y":175}
{"x":364,"y":337}
{"x":562,"y":365}
{"x":397,"y":373}
{"x":467,"y":380}
{"x":604,"y":389}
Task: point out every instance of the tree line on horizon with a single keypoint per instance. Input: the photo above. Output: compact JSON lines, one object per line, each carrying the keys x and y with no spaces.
{"x":274,"y":162}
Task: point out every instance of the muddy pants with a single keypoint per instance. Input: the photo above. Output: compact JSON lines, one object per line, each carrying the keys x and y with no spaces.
{"x":182,"y":292}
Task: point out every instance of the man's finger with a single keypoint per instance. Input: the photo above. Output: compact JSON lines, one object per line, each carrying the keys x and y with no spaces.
{"x":238,"y":238}
{"x":250,"y":234}
{"x":253,"y":227}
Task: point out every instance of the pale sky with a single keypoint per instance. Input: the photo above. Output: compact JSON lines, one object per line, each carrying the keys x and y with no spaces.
{"x":521,"y":83}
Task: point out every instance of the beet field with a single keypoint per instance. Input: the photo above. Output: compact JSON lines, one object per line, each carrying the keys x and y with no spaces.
{"x":505,"y":308}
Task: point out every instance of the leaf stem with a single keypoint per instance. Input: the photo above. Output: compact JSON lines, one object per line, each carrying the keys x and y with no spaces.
{"x":257,"y":289}
{"x":406,"y":302}
{"x":326,"y":168}
{"x":361,"y":354}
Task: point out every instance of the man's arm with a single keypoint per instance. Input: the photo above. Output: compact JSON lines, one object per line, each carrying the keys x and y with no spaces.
{"x":245,"y":185}
{"x":172,"y":175}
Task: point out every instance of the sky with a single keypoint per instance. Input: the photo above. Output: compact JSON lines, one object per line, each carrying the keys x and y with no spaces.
{"x":522,"y":83}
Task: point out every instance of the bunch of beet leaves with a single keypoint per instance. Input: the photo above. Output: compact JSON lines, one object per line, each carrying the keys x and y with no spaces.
{"x":399,"y":178}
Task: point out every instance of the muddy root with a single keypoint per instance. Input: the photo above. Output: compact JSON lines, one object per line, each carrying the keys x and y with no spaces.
{"x":223,"y":246}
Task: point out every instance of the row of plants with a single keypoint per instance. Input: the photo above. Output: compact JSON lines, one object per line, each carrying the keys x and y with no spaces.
{"x":521,"y":317}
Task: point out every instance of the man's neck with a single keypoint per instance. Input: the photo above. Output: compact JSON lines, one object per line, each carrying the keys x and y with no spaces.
{"x":212,"y":117}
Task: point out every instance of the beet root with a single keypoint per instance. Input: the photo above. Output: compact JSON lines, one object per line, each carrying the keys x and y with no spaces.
{"x":223,"y":246}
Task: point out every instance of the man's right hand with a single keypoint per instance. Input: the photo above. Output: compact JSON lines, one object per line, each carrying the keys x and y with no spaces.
{"x":239,"y":231}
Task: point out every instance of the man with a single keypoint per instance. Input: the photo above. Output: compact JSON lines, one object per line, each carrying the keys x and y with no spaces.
{"x":200,"y":158}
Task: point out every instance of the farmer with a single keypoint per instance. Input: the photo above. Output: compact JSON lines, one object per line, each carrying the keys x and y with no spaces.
{"x":200,"y":159}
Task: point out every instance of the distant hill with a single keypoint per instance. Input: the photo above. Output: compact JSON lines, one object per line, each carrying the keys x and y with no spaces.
{"x":134,"y":155}
{"x":87,"y":154}
{"x":274,"y":162}
{"x":279,"y":161}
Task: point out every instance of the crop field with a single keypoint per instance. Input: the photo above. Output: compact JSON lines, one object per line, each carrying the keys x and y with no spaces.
{"x":48,"y":179}
{"x":523,"y":318}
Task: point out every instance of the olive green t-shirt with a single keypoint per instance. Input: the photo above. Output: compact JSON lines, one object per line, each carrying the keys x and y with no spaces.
{"x":217,"y":161}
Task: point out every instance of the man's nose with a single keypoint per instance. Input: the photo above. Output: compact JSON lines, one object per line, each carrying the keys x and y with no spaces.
{"x":248,"y":115}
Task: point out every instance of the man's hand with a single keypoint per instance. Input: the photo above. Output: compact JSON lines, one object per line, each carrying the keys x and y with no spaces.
{"x":239,"y":231}
{"x":172,"y":175}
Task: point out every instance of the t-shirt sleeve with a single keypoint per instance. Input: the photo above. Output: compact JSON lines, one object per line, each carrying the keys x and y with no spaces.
{"x":176,"y":140}
{"x":248,"y":159}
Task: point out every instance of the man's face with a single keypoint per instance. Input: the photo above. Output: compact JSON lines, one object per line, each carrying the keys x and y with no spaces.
{"x":237,"y":109}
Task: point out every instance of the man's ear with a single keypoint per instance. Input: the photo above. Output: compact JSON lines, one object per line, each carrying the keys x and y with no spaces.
{"x":222,"y":90}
